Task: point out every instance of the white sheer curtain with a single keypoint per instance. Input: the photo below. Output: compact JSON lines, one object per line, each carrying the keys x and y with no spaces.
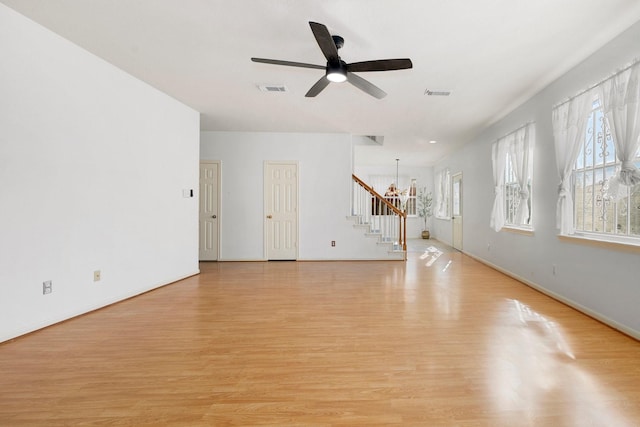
{"x":499,"y":162}
{"x":569,"y":128}
{"x":520,"y":151}
{"x":442,"y":194}
{"x":620,"y":97}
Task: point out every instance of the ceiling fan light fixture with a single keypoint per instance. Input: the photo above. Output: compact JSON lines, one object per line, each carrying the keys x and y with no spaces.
{"x":336,"y":73}
{"x":336,"y":77}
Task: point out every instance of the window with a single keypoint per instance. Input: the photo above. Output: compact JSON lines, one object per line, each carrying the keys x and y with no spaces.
{"x":514,"y":196}
{"x":385,"y":185}
{"x":511,"y":191}
{"x":601,"y":206}
{"x":443,"y":190}
{"x":411,"y":200}
{"x":512,"y":160}
{"x":597,"y":144}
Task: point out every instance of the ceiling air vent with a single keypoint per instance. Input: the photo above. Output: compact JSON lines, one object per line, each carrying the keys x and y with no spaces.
{"x":437,"y":92}
{"x":377,"y":139}
{"x":273,"y":88}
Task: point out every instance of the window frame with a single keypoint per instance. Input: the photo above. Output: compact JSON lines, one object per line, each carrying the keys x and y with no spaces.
{"x":443,"y":191}
{"x":599,"y":137}
{"x":508,"y":156}
{"x":380,"y":184}
{"x":510,"y":180}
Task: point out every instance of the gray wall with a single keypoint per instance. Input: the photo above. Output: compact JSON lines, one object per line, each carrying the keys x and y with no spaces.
{"x":325,"y":167}
{"x":602,"y":280}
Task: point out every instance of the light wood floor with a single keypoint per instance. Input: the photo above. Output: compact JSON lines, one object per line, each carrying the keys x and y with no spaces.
{"x":440,"y":340}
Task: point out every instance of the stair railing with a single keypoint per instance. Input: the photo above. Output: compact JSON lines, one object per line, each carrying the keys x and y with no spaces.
{"x":381,"y":213}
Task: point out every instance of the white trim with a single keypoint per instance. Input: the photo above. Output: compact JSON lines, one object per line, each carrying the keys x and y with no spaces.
{"x":69,"y":315}
{"x":527,"y":231}
{"x":581,"y":308}
{"x":604,"y":240}
{"x":608,"y":238}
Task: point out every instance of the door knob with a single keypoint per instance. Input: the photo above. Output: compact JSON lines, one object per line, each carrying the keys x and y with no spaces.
{"x":214,"y":216}
{"x":269,"y":216}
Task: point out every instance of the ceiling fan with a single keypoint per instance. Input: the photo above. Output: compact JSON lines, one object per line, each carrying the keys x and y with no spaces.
{"x":336,"y":69}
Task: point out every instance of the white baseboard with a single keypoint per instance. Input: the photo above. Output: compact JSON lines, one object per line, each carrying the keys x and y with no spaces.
{"x":33,"y":327}
{"x":581,"y":308}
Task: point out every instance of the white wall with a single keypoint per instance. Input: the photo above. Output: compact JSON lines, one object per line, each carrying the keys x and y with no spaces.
{"x":602,"y":281}
{"x":325,"y":168}
{"x":92,"y":167}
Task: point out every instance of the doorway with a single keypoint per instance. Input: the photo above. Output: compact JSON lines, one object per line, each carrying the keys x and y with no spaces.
{"x":456,"y":191}
{"x":281,"y":210}
{"x":209,"y":201}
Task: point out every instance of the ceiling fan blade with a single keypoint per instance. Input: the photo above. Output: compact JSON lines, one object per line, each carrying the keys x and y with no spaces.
{"x":325,"y":41}
{"x":380,"y":65}
{"x":288,"y":63}
{"x":318,"y":87}
{"x":366,"y":86}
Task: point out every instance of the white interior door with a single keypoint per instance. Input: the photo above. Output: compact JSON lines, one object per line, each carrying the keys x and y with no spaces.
{"x":457,"y":211}
{"x":209,"y":181}
{"x":281,"y":210}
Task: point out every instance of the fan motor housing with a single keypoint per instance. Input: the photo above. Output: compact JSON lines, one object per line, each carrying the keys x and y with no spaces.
{"x":339,"y":41}
{"x":337,"y":71}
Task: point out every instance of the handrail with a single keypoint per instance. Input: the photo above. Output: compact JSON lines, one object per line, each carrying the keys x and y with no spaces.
{"x":402,"y":216}
{"x":378,"y":196}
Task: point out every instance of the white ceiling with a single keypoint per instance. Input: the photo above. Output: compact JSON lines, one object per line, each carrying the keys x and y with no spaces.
{"x":491,"y":54}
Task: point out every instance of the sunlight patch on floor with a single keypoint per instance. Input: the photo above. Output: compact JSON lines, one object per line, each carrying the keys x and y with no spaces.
{"x":431,"y":254}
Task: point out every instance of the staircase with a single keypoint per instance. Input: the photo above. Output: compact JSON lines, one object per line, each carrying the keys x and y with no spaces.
{"x":378,"y":246}
{"x":380,"y":219}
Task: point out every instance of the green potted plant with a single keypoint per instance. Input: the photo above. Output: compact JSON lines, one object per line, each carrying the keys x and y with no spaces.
{"x":425,"y":202}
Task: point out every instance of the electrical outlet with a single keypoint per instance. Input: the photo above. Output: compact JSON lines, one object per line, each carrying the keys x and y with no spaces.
{"x":47,"y":287}
{"x":96,"y":276}
{"x":333,"y":243}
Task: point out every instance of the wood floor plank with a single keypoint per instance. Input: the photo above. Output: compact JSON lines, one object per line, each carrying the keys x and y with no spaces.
{"x":440,"y":340}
